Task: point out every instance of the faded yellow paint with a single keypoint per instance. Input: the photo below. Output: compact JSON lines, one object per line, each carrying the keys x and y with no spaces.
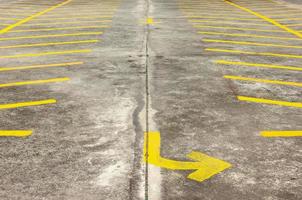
{"x":35,"y":82}
{"x":269,"y":101}
{"x":26,"y":104}
{"x":204,"y":165}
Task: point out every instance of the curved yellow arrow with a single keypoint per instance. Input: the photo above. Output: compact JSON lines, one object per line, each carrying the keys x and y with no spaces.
{"x":204,"y":165}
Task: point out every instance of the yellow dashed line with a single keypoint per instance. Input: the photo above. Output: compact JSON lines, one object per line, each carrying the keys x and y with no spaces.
{"x":26,"y":104}
{"x":240,"y":78}
{"x":269,"y":101}
{"x":35,"y":82}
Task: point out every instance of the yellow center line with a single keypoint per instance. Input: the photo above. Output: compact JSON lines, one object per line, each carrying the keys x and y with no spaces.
{"x":50,"y":36}
{"x":261,"y":65}
{"x":49,"y":44}
{"x":40,"y":66}
{"x":47,"y":53}
{"x":269,"y":101}
{"x":26,"y":104}
{"x":281,"y":133}
{"x":34,"y":82}
{"x":254,"y":53}
{"x":237,"y":28}
{"x":267,"y":19}
{"x":248,"y":35}
{"x":251,"y":43}
{"x":15,"y":133}
{"x":56,"y":29}
{"x":25,"y":20}
{"x":240,"y":78}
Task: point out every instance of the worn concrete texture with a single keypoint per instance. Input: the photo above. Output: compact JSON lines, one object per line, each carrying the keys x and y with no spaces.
{"x":156,"y":76}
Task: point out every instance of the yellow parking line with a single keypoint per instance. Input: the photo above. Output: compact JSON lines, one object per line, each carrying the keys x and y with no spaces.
{"x":73,"y":18}
{"x":40,"y":66}
{"x":240,"y":78}
{"x":251,"y":43}
{"x":287,"y":19}
{"x":57,"y":29}
{"x":267,"y":19}
{"x":34,"y":82}
{"x":224,"y":18}
{"x":49,"y":44}
{"x":248,"y":35}
{"x":50,"y":36}
{"x":269,"y":101}
{"x":261,"y":65}
{"x":25,"y":20}
{"x":254,"y":53}
{"x":15,"y":133}
{"x":26,"y":104}
{"x":281,"y":133}
{"x":61,"y":23}
{"x":238,"y":28}
{"x":47,"y":53}
{"x":8,"y":18}
{"x":226,"y":22}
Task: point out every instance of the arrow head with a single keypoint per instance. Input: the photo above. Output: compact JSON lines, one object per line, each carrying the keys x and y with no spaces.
{"x":209,"y":166}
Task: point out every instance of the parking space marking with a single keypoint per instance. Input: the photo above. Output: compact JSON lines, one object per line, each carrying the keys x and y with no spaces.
{"x":267,"y":19}
{"x":48,"y":53}
{"x":15,"y":133}
{"x":27,"y":19}
{"x":49,"y":44}
{"x":34,"y":82}
{"x":73,"y":18}
{"x":227,"y":22}
{"x":253,"y":53}
{"x":27,"y":104}
{"x":240,"y":78}
{"x":204,"y":165}
{"x":224,"y":18}
{"x":51,"y":35}
{"x":251,"y":43}
{"x":297,"y":133}
{"x":68,"y":64}
{"x":237,"y":28}
{"x":61,"y":23}
{"x":248,"y":35}
{"x":261,"y":65}
{"x":58,"y":29}
{"x":270,"y":101}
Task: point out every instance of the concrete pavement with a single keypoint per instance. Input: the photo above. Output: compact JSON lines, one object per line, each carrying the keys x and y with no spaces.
{"x":86,"y":79}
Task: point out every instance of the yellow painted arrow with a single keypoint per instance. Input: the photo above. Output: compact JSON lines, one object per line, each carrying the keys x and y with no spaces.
{"x":204,"y":165}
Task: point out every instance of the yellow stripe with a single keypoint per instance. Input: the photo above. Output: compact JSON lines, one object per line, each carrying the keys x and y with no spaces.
{"x":225,"y":62}
{"x":60,"y":23}
{"x":8,"y":18}
{"x":56,"y":29}
{"x":49,"y":44}
{"x":296,"y":33}
{"x":40,"y":66}
{"x":49,"y":36}
{"x":287,"y":19}
{"x":149,"y":20}
{"x":226,"y":22}
{"x":269,"y":101}
{"x":47,"y":53}
{"x":237,"y":28}
{"x":73,"y":18}
{"x":224,"y":18}
{"x":34,"y":82}
{"x":254,"y":53}
{"x":247,"y":35}
{"x":26,"y":104}
{"x":263,"y":80}
{"x":281,"y":133}
{"x":15,"y":133}
{"x":33,"y":16}
{"x":252,"y":43}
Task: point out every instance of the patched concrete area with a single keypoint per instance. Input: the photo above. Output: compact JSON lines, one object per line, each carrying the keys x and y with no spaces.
{"x":153,"y":100}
